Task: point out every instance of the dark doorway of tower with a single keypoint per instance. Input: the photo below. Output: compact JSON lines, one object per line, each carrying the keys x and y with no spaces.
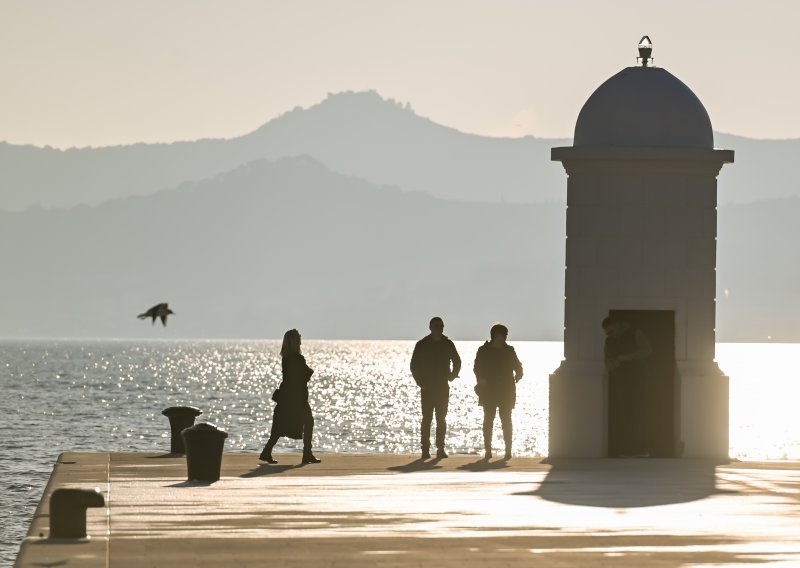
{"x":660,"y":391}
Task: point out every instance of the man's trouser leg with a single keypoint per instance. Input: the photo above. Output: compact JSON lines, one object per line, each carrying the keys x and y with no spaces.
{"x":441,"y":417}
{"x":427,"y":417}
{"x":508,"y":429}
{"x":489,"y":412}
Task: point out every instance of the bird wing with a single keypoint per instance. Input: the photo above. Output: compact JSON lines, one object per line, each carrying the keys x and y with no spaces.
{"x":158,"y":311}
{"x":151,"y":313}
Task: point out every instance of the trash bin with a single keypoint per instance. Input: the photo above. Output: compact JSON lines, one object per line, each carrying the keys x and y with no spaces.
{"x":203,"y":444}
{"x":68,"y":511}
{"x":180,"y":418}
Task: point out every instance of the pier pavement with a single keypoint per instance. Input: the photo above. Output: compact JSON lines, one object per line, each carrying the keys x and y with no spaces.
{"x":395,"y":510}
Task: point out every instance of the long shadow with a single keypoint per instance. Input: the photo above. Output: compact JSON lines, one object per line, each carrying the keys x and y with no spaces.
{"x":270,"y":469}
{"x":418,"y":464}
{"x":192,"y":484}
{"x":162,"y":456}
{"x":60,"y":542}
{"x":484,"y":465}
{"x":623,"y":483}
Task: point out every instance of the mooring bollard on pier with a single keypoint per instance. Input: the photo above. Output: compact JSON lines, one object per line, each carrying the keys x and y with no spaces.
{"x":68,"y":511}
{"x":204,"y":443}
{"x":180,"y":418}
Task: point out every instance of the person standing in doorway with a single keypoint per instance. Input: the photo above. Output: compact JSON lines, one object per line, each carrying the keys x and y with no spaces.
{"x":497,"y":371}
{"x":625,"y":350}
{"x":434,"y":363}
{"x":292,"y":416}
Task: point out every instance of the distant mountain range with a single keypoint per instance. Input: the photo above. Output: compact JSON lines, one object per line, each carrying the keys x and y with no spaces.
{"x":275,"y":245}
{"x":272,"y":245}
{"x":358,"y":134}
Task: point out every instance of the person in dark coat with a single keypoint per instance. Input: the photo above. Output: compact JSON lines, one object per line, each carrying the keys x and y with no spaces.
{"x":625,"y":350}
{"x":292,"y":415}
{"x":432,"y":371}
{"x":497,"y":370}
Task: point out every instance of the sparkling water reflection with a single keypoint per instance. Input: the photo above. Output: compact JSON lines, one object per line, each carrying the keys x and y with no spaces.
{"x":764,"y":396}
{"x":108,"y":395}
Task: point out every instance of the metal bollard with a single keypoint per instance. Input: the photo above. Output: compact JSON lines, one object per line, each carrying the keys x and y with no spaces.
{"x":204,"y":443}
{"x":68,"y":511}
{"x":180,"y":418}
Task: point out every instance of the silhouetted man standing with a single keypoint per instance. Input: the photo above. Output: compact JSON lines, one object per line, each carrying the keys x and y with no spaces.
{"x":430,"y":366}
{"x":625,"y":350}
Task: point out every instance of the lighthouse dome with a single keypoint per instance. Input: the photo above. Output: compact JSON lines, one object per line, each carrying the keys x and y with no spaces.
{"x":644,"y":106}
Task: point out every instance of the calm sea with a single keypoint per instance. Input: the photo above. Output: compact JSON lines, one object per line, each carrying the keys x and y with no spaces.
{"x":108,"y":395}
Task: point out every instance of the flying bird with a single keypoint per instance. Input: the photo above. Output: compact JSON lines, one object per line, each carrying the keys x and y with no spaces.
{"x":157,"y":311}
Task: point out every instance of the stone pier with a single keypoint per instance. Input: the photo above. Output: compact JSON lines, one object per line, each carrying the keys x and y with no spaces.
{"x":394,"y":510}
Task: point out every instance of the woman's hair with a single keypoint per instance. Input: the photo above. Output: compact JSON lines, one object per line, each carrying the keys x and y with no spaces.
{"x":291,"y":342}
{"x":498,"y":329}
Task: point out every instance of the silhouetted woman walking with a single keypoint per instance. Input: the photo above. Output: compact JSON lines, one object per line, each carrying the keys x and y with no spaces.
{"x":292,"y":416}
{"x":497,"y":370}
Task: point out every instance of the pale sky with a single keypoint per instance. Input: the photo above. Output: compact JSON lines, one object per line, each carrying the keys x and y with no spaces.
{"x":100,"y":72}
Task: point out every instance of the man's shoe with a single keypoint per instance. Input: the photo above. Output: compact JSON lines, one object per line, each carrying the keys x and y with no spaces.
{"x":507,"y":456}
{"x":440,"y":454}
{"x":308,"y":457}
{"x":267,"y":457}
{"x":426,"y":454}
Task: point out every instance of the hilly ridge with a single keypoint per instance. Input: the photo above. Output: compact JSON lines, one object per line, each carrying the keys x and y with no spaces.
{"x":274,"y":245}
{"x":359,"y":134}
{"x":354,"y":218}
{"x":289,"y":243}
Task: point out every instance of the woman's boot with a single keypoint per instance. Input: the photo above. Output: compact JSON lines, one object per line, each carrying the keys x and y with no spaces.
{"x":266,"y":453}
{"x":308,"y":457}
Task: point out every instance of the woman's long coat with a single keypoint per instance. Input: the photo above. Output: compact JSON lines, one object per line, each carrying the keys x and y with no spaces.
{"x":292,"y":397}
{"x":494,"y":368}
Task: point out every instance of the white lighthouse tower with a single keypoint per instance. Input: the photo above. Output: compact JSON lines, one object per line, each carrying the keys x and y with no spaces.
{"x":641,"y":245}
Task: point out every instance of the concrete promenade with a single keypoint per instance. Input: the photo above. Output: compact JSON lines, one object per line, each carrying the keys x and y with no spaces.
{"x":394,"y":510}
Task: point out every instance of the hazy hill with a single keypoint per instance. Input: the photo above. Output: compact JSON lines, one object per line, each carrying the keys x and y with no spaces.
{"x":385,"y":142}
{"x":758,"y":273}
{"x":359,"y":134}
{"x":353,"y":133}
{"x":763,"y":169}
{"x":270,"y":246}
